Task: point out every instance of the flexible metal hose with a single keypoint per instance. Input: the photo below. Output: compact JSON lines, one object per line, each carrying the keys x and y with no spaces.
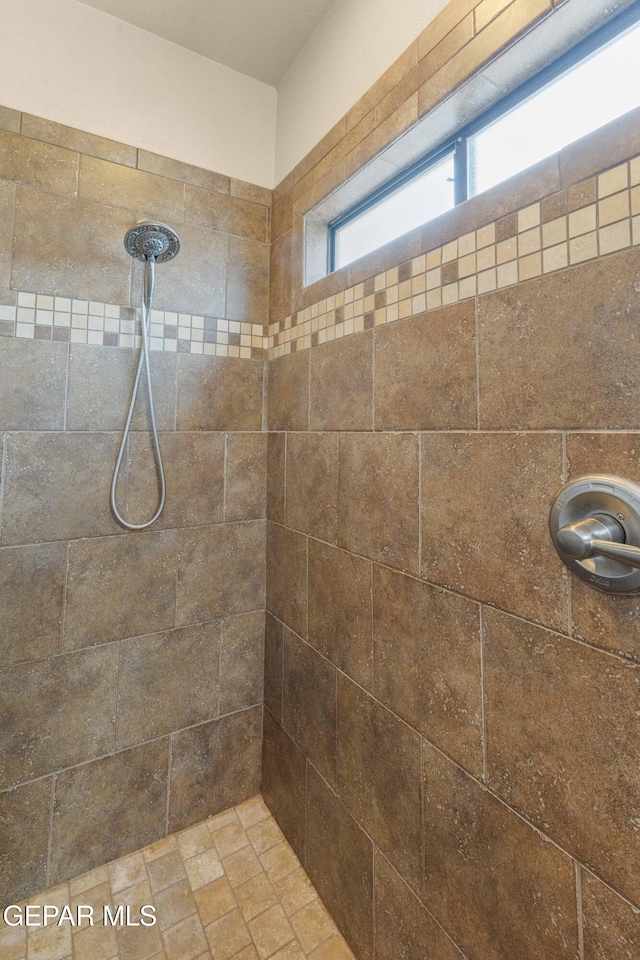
{"x":143,"y":361}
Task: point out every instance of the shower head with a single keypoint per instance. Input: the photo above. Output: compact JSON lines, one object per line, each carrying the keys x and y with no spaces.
{"x":152,"y":240}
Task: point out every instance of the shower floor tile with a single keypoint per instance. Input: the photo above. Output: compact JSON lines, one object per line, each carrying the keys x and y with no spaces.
{"x":230,"y":888}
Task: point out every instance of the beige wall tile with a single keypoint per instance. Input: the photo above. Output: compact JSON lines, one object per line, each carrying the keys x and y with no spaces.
{"x":108,"y":808}
{"x":48,"y":261}
{"x":178,"y":170}
{"x":461,"y":820}
{"x":7,"y":207}
{"x":56,"y":133}
{"x":38,"y":164}
{"x":548,"y":770}
{"x":146,"y":193}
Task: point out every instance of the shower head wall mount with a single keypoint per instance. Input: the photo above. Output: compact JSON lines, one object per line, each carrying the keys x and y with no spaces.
{"x":149,"y":240}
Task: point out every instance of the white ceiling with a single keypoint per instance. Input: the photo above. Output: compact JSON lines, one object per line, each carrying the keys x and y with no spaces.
{"x":260,"y":38}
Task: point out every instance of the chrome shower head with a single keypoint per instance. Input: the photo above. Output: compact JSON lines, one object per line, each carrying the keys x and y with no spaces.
{"x":149,"y":240}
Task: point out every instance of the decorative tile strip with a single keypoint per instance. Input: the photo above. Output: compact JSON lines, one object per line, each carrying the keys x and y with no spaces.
{"x":41,"y":317}
{"x":519,"y":247}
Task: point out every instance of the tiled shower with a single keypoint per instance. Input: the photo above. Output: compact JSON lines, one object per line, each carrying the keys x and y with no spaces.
{"x":351,"y":604}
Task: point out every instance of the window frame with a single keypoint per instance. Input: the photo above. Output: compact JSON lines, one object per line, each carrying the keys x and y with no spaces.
{"x":458,"y":144}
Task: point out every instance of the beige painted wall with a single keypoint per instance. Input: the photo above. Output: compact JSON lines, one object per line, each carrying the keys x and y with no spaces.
{"x":67,"y":62}
{"x":355,"y":43}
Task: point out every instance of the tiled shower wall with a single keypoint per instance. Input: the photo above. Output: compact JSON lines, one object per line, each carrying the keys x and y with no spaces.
{"x":451,"y":725}
{"x":131,"y":674}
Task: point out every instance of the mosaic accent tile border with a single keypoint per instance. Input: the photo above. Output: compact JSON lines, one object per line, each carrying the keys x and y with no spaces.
{"x":42,"y":317}
{"x":528,"y":243}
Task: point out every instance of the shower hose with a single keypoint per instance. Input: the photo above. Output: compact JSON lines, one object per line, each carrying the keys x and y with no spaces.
{"x":143,"y":361}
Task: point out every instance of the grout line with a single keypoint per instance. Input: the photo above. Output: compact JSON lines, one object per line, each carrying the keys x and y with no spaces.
{"x":52,"y":803}
{"x":579,"y":911}
{"x":169,"y":764}
{"x":485,"y":746}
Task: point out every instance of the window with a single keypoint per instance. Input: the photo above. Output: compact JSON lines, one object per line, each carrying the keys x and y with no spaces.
{"x":594,"y":83}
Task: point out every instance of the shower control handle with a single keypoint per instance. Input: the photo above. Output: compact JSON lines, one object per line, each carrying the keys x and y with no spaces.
{"x":595,"y":527}
{"x":600,"y":536}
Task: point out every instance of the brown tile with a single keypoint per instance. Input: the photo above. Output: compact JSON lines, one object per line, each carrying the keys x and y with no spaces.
{"x":218,"y":394}
{"x":230,"y":838}
{"x":426,"y":371}
{"x":554,"y":206}
{"x":309,"y":704}
{"x":228,"y":935}
{"x":186,"y":940}
{"x":47,"y":261}
{"x":311,"y":501}
{"x":39,"y":129}
{"x":472,"y":550}
{"x":528,"y":337}
{"x":167,"y":681}
{"x":119,"y":587}
{"x":38,"y":164}
{"x":383,"y":134}
{"x":426,"y":67}
{"x":195,"y":281}
{"x":264,"y":835}
{"x":340,"y":610}
{"x":611,"y":925}
{"x":340,"y":865}
{"x":35,"y":402}
{"x":273,"y":660}
{"x":28,"y":630}
{"x":241,"y":662}
{"x":255,"y":896}
{"x":605,"y":620}
{"x":520,"y":901}
{"x":281,"y":217}
{"x":288,"y":392}
{"x":270,"y":931}
{"x":148,"y":194}
{"x":507,"y":227}
{"x":427,"y":663}
{"x":375,"y":749}
{"x":295,"y":891}
{"x":378,"y":498}
{"x":57,"y":487}
{"x":220,"y":571}
{"x":246,"y":476}
{"x":138,"y":943}
{"x":205,"y":208}
{"x":108,"y":808}
{"x":57,"y":712}
{"x":100,"y":384}
{"x":581,"y":194}
{"x":178,"y":170}
{"x":287,"y":577}
{"x":214,"y":900}
{"x":502,"y":30}
{"x":404,"y":929}
{"x":194,"y":473}
{"x":581,"y":790}
{"x":125,"y":873}
{"x":250,"y":191}
{"x":10,"y":119}
{"x":249,"y":220}
{"x":279,"y":861}
{"x":24,"y":864}
{"x":242,"y":866}
{"x":341,"y":384}
{"x":214,"y":766}
{"x":280,"y":277}
{"x":203,"y":868}
{"x":165,"y":871}
{"x":248,"y":281}
{"x":283,"y":782}
{"x":276,"y":446}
